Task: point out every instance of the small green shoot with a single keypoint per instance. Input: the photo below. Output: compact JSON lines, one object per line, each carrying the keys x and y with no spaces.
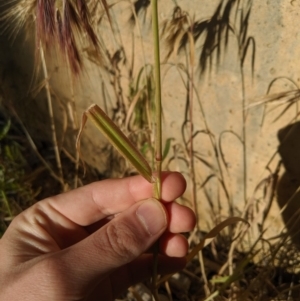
{"x":5,"y":129}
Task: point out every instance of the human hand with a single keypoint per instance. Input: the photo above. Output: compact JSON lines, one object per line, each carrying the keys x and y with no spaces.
{"x":91,"y":243}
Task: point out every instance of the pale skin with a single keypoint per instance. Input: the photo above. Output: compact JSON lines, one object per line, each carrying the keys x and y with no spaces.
{"x":92,"y":243}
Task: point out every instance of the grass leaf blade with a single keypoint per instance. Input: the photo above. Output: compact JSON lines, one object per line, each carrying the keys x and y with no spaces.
{"x":117,"y":138}
{"x":212,"y":234}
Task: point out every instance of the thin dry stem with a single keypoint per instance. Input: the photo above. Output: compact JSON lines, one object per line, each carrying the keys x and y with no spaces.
{"x":203,"y":272}
{"x":145,"y":69}
{"x":74,"y":121}
{"x":35,"y":149}
{"x":51,"y":115}
{"x":191,"y":149}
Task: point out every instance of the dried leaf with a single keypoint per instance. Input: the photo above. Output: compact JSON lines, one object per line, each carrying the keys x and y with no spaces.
{"x":207,"y":240}
{"x":212,"y":234}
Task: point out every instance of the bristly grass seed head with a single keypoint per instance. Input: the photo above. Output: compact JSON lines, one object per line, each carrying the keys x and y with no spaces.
{"x":57,"y":22}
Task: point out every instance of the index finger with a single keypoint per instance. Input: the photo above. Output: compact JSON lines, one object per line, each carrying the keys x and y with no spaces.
{"x":91,"y":203}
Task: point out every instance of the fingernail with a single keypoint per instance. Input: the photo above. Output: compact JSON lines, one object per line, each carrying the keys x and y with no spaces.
{"x":152,"y":216}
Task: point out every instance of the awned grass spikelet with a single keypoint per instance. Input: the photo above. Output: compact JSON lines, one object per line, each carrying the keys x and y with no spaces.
{"x":57,"y":22}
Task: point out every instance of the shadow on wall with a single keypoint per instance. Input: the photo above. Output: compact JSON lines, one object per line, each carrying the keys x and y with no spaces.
{"x":288,"y":189}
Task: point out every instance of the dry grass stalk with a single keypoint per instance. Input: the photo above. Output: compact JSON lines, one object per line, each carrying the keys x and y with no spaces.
{"x":51,"y":115}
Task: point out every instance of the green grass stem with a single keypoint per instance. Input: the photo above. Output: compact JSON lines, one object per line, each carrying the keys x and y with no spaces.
{"x":158,"y":130}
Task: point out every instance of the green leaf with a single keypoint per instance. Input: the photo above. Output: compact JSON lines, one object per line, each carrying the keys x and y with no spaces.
{"x":5,"y":129}
{"x":167,"y":148}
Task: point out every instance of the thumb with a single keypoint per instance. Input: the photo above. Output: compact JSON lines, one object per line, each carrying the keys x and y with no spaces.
{"x":117,"y":243}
